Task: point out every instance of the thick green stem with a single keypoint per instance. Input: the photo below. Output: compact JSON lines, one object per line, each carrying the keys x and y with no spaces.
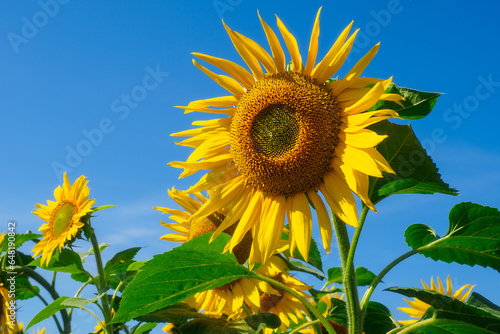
{"x":378,"y":279}
{"x":102,"y":284}
{"x":304,"y":302}
{"x":354,"y":315}
{"x":53,"y":293}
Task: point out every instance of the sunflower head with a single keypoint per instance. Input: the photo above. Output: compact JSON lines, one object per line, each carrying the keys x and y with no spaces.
{"x":63,"y":217}
{"x":417,"y":307}
{"x":187,"y":229}
{"x":293,"y":139}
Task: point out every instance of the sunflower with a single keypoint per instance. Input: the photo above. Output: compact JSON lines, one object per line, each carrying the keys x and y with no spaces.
{"x":290,"y":134}
{"x":8,"y":325}
{"x":417,"y":307}
{"x":63,"y":216}
{"x":231,"y":298}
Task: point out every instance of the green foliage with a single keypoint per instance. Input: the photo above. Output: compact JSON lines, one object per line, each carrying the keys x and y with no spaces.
{"x":416,"y":105}
{"x":363,"y":276}
{"x":294,"y":265}
{"x":473,"y":237}
{"x":176,"y":314}
{"x":415,"y":171}
{"x":66,"y":261}
{"x":173,"y":276}
{"x":24,"y":288}
{"x":378,"y":319}
{"x":448,"y":313}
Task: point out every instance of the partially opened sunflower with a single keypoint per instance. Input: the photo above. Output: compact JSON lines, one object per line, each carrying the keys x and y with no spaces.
{"x":291,"y":135}
{"x":417,"y":307}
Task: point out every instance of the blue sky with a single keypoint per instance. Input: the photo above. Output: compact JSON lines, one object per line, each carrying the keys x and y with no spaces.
{"x":90,"y":88}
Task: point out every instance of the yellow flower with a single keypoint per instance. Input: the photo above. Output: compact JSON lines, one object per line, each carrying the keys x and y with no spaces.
{"x":418,"y":307}
{"x":289,"y":135}
{"x":63,"y":216}
{"x":38,"y":331}
{"x":8,"y":322}
{"x":168,"y":328}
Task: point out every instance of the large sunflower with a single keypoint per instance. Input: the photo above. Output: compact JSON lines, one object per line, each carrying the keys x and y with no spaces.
{"x":417,"y":307}
{"x":291,"y":134}
{"x":63,"y":216}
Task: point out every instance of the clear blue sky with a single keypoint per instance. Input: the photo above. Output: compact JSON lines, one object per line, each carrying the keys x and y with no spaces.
{"x":114,"y":70}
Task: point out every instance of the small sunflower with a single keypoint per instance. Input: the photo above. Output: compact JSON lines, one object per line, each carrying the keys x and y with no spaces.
{"x":417,"y":307}
{"x":230,"y":298}
{"x":63,"y":216}
{"x":8,"y":325}
{"x":291,"y":134}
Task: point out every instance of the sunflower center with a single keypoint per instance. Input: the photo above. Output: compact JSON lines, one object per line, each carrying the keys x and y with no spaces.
{"x":62,"y":218}
{"x":284,"y":133}
{"x":211,"y":223}
{"x":275,"y":130}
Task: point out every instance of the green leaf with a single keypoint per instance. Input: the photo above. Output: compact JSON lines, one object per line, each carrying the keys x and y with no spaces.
{"x":251,"y":325}
{"x":173,"y":276}
{"x":21,"y":238}
{"x":66,"y":261}
{"x":417,"y":104}
{"x":48,"y":311}
{"x":117,"y":267}
{"x":481,"y":302}
{"x":24,"y":288}
{"x":378,"y":319}
{"x":124,"y":257}
{"x":449,"y":312}
{"x":146,"y":328}
{"x":337,"y":311}
{"x":79,"y":302}
{"x":302,"y":267}
{"x":473,"y":237}
{"x":363,"y":276}
{"x":415,"y":171}
{"x":102,"y":207}
{"x":314,"y":255}
{"x":176,"y":313}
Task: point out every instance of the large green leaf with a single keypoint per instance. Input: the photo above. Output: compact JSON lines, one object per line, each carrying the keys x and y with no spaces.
{"x":378,"y":319}
{"x":66,"y":261}
{"x":173,"y":276}
{"x":415,"y":170}
{"x":417,"y":104}
{"x":24,"y":288}
{"x":48,"y":311}
{"x":473,"y":237}
{"x":176,"y":313}
{"x":448,"y":313}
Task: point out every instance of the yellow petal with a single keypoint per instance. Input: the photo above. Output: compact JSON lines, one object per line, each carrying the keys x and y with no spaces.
{"x":222,"y":196}
{"x":249,"y":59}
{"x":291,"y":44}
{"x":322,"y":66}
{"x":249,"y":218}
{"x":214,"y":178}
{"x":226,"y":82}
{"x":338,"y":189}
{"x":358,"y":159}
{"x":212,"y":147}
{"x":301,"y":223}
{"x":325,"y":225}
{"x":356,"y":71}
{"x":337,"y":61}
{"x":175,"y":237}
{"x":236,"y":71}
{"x":277,"y":50}
{"x":362,"y":139}
{"x":313,"y":46}
{"x":218,"y":102}
{"x":271,"y":225}
{"x":369,"y":99}
{"x":358,"y":182}
{"x":258,"y":52}
{"x":176,"y":227}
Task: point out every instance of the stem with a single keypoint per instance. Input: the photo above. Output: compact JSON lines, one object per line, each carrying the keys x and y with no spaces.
{"x":54,"y":279}
{"x":53,"y":293}
{"x":354,"y":316}
{"x":410,"y":328}
{"x":304,"y":302}
{"x":96,"y":317}
{"x":114,"y":294}
{"x":378,"y":279}
{"x":102,"y":284}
